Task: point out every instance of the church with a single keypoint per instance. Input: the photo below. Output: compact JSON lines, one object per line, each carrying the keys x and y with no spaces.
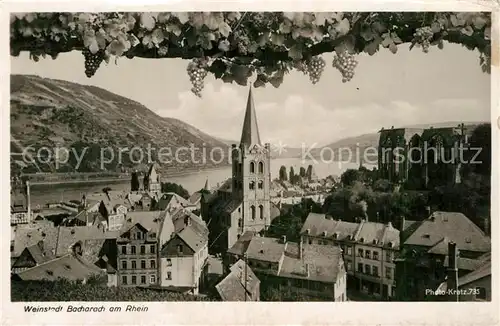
{"x":243,"y":203}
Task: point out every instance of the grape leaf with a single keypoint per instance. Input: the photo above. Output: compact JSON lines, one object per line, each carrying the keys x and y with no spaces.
{"x":197,"y":19}
{"x":101,"y":39}
{"x":366,"y":33}
{"x":393,"y":47}
{"x":295,"y":52}
{"x":182,"y":16}
{"x":395,"y":38}
{"x":467,"y":31}
{"x":157,"y":36}
{"x":387,"y":40}
{"x":206,"y":39}
{"x":163,"y":17}
{"x":479,"y":22}
{"x":148,"y":21}
{"x":277,"y":39}
{"x":174,"y":29}
{"x":224,"y":29}
{"x":116,"y":48}
{"x":285,"y":27}
{"x":441,"y":44}
{"x":436,"y":27}
{"x":322,"y":18}
{"x":30,"y":17}
{"x":276,"y":81}
{"x":343,"y":27}
{"x":372,"y":47}
{"x":88,"y":37}
{"x":224,"y":45}
{"x":487,"y":33}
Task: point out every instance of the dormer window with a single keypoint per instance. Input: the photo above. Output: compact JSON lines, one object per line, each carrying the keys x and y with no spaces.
{"x":426,"y":236}
{"x":308,"y":231}
{"x":325,"y":233}
{"x":467,"y":240}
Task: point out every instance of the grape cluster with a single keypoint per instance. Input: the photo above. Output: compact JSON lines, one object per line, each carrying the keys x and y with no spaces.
{"x":92,"y":61}
{"x":315,"y":68}
{"x":197,"y":71}
{"x":345,"y":63}
{"x":423,"y":36}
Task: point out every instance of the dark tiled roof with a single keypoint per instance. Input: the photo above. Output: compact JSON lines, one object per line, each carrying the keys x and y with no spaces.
{"x":318,"y":223}
{"x":324,"y":262}
{"x":27,"y":236}
{"x":265,"y":249}
{"x":465,"y":263}
{"x":241,"y":246}
{"x":68,"y":267}
{"x":194,"y":240}
{"x":455,"y":227}
{"x":401,"y":133}
{"x":150,"y":220}
{"x":482,"y":271}
{"x":195,"y":198}
{"x":232,"y":287}
{"x":38,"y":253}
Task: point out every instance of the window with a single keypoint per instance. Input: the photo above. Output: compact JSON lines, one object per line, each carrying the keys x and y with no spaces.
{"x":169,"y":275}
{"x":124,"y":264}
{"x":152,"y":279}
{"x":261,"y":185}
{"x":143,"y":264}
{"x":252,"y":167}
{"x":152,"y":249}
{"x":261,"y":212}
{"x":375,"y":255}
{"x":134,"y":264}
{"x":180,"y":249}
{"x":374,"y":270}
{"x":124,"y":250}
{"x":367,"y":254}
{"x":138,"y":235}
{"x":388,"y":273}
{"x":388,"y":257}
{"x":153,"y":263}
{"x":169,"y":262}
{"x":360,"y":252}
{"x":252,"y":209}
{"x":349,"y":250}
{"x":310,"y":241}
{"x":349,"y":266}
{"x":480,"y":293}
{"x":367,"y":269}
{"x":240,"y":223}
{"x":143,"y":279}
{"x":360,"y":268}
{"x":132,"y":250}
{"x":134,"y":279}
{"x":251,"y":185}
{"x":143,"y":250}
{"x":261,"y":167}
{"x":124,"y":279}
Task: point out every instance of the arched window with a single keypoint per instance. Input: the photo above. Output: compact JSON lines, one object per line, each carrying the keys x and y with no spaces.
{"x":252,"y":167}
{"x":261,"y":184}
{"x":251,"y":185}
{"x":261,"y":167}
{"x":252,"y":209}
{"x":261,"y":212}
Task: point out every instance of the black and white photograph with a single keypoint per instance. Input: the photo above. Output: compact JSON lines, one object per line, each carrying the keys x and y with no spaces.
{"x":250,"y":156}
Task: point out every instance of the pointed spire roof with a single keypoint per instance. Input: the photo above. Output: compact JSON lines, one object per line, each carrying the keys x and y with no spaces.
{"x":207,"y":186}
{"x":250,"y":133}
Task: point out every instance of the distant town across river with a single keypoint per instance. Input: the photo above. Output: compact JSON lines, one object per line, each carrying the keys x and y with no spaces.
{"x":42,"y":194}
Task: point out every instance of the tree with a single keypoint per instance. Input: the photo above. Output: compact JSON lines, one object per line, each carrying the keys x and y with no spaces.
{"x":134,"y":182}
{"x":175,"y":188}
{"x":235,"y":46}
{"x":309,"y":172}
{"x":479,"y":157}
{"x":292,"y":175}
{"x":302,"y":172}
{"x":350,"y":176}
{"x":282,"y":173}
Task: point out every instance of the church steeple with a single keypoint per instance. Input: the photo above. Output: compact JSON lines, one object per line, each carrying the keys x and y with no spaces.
{"x":250,"y":133}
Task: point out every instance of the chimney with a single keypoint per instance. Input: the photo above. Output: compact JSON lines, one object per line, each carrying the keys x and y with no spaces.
{"x":28,"y":200}
{"x":187,"y":221}
{"x":452,"y":272}
{"x":301,"y":248}
{"x":307,"y":270}
{"x":283,"y":238}
{"x":428,"y":211}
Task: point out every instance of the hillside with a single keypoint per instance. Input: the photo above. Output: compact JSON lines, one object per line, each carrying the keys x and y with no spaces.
{"x":369,"y":140}
{"x":91,"y":120}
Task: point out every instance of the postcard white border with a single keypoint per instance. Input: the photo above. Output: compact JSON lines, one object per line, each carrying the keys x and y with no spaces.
{"x":263,"y":313}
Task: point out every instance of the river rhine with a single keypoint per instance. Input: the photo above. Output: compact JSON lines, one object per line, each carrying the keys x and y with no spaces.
{"x":42,"y":194}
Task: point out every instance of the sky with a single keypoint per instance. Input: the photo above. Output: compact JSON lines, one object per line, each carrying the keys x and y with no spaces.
{"x":398,"y":90}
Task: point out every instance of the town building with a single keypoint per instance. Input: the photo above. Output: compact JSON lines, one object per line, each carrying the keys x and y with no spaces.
{"x":184,"y":256}
{"x":243,"y":203}
{"x":472,"y":285}
{"x":368,"y":249}
{"x":312,"y":270}
{"x":422,"y":157}
{"x":241,"y":284}
{"x":421,"y":263}
{"x":20,"y":205}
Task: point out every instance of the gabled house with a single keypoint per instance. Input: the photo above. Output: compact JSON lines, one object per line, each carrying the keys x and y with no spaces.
{"x":241,"y":284}
{"x":32,"y":256}
{"x":184,"y":256}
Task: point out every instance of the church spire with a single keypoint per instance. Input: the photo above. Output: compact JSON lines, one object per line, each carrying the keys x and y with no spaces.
{"x":207,"y":186}
{"x":250,"y":133}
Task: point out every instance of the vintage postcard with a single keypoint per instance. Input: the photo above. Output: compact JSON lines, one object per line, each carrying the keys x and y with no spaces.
{"x":343,"y":160}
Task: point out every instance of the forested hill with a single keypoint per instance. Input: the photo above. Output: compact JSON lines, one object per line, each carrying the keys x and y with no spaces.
{"x":48,"y":112}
